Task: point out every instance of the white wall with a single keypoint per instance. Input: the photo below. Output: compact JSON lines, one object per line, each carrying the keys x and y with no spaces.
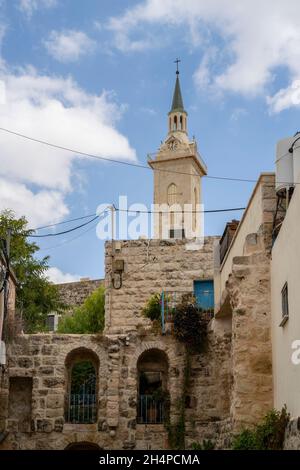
{"x":285,"y":267}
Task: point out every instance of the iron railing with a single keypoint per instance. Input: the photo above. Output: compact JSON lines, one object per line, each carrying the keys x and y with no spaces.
{"x":81,"y":408}
{"x":150,"y":410}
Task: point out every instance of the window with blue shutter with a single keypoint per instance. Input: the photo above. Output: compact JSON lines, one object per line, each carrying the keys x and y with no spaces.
{"x":204,"y":294}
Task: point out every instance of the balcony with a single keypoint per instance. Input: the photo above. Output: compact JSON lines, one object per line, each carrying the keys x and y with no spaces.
{"x":150,"y":410}
{"x":81,"y":409}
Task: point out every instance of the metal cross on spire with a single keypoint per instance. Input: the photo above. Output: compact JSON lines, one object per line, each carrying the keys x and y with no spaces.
{"x":177,"y":62}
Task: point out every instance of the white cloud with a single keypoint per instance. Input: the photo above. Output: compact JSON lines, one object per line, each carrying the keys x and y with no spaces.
{"x":237,"y":113}
{"x":56,"y":276}
{"x":55,"y":109}
{"x":253,"y":39}
{"x":202,"y":75}
{"x":38,"y":207}
{"x":149,"y":111}
{"x":285,"y":98}
{"x":69,"y":45}
{"x":30,"y":6}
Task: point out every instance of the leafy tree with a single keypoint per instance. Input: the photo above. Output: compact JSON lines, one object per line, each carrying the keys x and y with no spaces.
{"x":36,"y":296}
{"x":88,"y":318}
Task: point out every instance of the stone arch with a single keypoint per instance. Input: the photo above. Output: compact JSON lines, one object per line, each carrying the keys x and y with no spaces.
{"x":82,"y":445}
{"x":76,"y":354}
{"x":154,"y":360}
{"x":82,"y":375}
{"x":145,"y":346}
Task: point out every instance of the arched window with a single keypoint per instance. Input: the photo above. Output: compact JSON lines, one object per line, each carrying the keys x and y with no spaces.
{"x":81,"y":399}
{"x":180,"y":121}
{"x":153,"y":397}
{"x":172,"y":194}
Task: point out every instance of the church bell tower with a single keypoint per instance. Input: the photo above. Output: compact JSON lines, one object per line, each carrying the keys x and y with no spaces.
{"x":178,"y":169}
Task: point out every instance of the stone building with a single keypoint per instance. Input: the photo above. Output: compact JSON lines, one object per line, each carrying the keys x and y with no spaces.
{"x":242,"y":294}
{"x":230,"y":381}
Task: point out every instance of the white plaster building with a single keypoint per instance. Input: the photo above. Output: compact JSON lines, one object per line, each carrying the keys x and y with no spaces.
{"x":285,"y":294}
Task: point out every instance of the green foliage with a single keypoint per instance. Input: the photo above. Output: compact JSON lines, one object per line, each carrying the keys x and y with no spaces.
{"x":246,"y":440}
{"x":268,"y":435}
{"x":189,"y":327}
{"x":88,"y":318}
{"x":206,"y":445}
{"x":36,"y":296}
{"x":81,"y":372}
{"x":152,"y":309}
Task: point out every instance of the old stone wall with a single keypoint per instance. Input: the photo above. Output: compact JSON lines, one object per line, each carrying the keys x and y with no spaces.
{"x":73,"y":294}
{"x":150,"y":267}
{"x":210,"y":389}
{"x":43,"y":358}
{"x":249,"y":288}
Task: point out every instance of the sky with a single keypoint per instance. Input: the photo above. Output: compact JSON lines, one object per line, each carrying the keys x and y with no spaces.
{"x":97,"y":76}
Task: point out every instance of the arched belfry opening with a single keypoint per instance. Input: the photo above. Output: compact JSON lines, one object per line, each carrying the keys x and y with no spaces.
{"x":153,"y":401}
{"x":82,"y":367}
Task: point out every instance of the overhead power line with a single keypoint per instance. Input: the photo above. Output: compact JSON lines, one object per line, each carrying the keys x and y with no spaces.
{"x":69,"y":240}
{"x":145,"y":167}
{"x":128,"y":211}
{"x":65,"y":231}
{"x":121,"y":162}
{"x":133,"y":211}
{"x":183,"y":211}
{"x":64,"y":222}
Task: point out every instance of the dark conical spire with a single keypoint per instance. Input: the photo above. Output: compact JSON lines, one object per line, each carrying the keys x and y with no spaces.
{"x":177,"y":103}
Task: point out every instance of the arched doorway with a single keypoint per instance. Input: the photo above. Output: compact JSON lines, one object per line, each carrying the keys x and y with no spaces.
{"x":153,"y":399}
{"x":82,"y":446}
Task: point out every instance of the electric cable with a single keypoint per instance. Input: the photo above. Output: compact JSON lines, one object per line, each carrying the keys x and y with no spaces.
{"x":121,"y":162}
{"x":63,"y":222}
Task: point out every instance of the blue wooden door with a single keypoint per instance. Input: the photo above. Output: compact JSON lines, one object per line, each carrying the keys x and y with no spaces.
{"x":204,"y":294}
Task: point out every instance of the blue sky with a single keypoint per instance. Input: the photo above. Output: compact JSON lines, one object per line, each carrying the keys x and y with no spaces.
{"x":98,"y":76}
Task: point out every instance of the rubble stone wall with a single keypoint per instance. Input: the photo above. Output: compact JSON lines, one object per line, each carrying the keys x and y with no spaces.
{"x":73,"y":294}
{"x":43,"y":358}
